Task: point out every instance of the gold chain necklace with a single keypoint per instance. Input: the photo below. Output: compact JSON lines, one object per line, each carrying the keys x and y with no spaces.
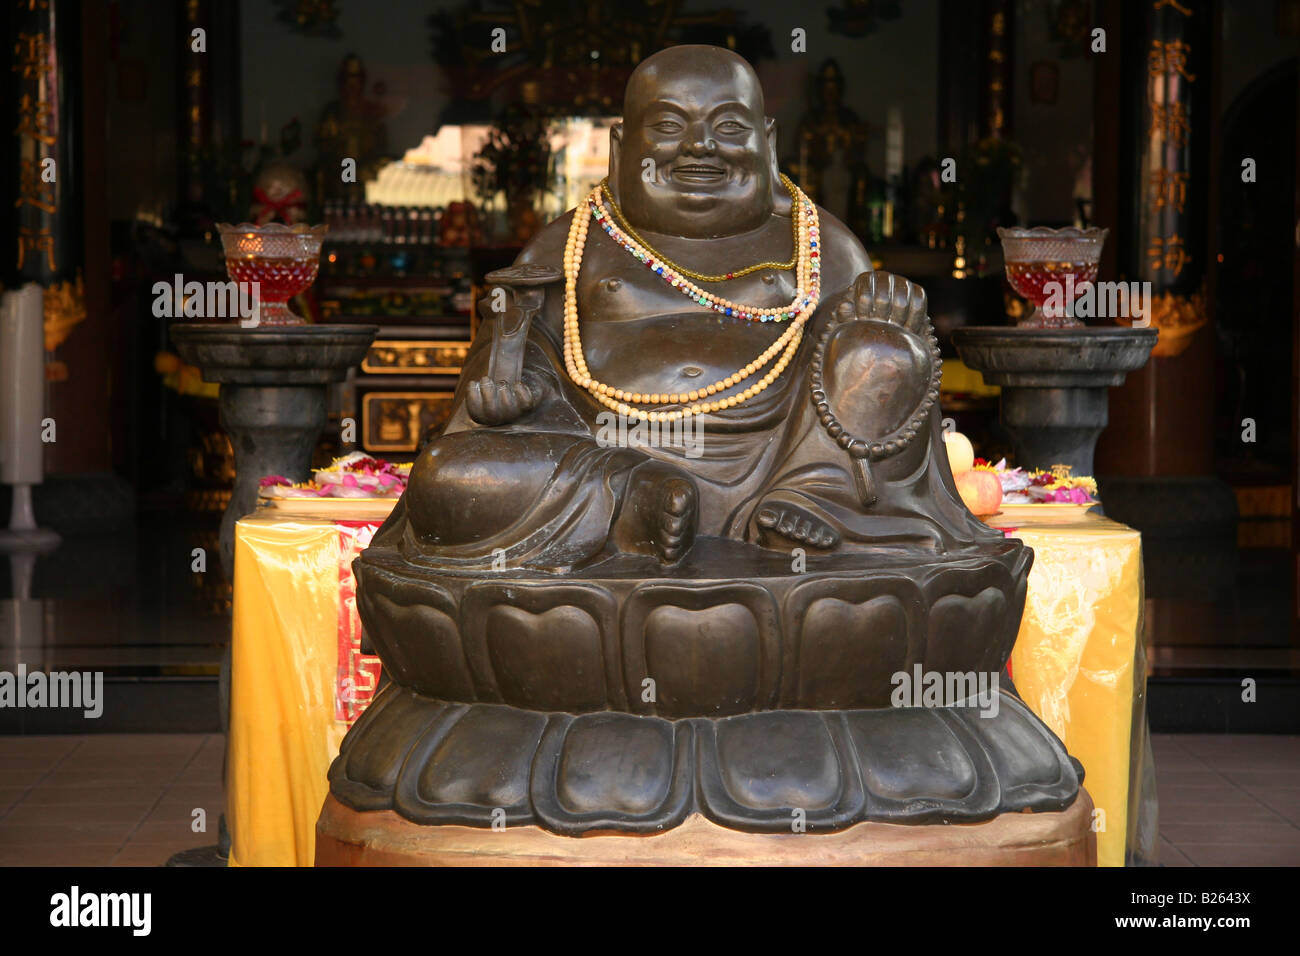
{"x":700,"y":277}
{"x":695,"y":401}
{"x":686,"y":287}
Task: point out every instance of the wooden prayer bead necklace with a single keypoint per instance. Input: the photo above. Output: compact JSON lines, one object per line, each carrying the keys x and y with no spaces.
{"x":808,"y":276}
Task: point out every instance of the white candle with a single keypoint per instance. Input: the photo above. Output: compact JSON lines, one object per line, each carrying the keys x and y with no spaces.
{"x":22,"y":394}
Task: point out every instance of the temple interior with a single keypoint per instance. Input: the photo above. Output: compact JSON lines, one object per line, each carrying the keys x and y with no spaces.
{"x":435,"y":140}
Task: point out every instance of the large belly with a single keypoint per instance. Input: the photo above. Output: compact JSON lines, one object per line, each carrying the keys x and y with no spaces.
{"x":675,"y":353}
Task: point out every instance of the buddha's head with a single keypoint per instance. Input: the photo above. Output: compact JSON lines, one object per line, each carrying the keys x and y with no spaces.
{"x":695,"y":113}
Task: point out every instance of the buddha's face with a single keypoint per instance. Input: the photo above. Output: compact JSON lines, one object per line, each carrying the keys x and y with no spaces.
{"x":698,"y":120}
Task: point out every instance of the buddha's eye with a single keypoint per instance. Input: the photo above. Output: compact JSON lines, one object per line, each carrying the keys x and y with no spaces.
{"x":731,"y":127}
{"x":667,"y":126}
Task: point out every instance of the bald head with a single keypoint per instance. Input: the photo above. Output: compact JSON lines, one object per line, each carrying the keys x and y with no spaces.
{"x":693,"y":65}
{"x":695,"y":154}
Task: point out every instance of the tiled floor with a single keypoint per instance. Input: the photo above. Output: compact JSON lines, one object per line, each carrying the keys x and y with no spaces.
{"x":107,"y":799}
{"x":129,"y":800}
{"x":1228,"y":800}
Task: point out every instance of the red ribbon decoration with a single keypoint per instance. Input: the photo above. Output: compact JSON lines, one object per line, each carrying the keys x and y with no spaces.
{"x":275,"y":209}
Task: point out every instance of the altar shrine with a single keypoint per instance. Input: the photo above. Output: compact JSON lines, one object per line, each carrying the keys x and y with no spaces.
{"x":658,"y":434}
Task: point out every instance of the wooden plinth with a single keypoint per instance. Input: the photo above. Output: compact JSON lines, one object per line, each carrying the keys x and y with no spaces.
{"x":346,"y":837}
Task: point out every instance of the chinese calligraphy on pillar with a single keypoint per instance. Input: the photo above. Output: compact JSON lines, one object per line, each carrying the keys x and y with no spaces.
{"x":1168,"y":135}
{"x":998,"y":71}
{"x":1171,"y":213}
{"x":38,"y":113}
{"x":37,"y":130}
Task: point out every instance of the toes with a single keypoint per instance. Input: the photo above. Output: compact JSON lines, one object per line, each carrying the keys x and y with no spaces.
{"x":673,"y":524}
{"x":797,"y":526}
{"x":678,"y":497}
{"x":676,"y":522}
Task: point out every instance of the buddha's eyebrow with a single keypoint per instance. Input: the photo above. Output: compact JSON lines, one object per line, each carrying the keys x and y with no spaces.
{"x":731,"y":105}
{"x":665,"y":105}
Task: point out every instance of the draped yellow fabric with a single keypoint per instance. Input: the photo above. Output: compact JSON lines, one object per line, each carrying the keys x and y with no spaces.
{"x":1074,"y":658}
{"x":284,"y":660}
{"x":1073,"y":663}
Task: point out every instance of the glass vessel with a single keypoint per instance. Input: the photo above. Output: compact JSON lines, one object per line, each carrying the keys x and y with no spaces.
{"x":282,"y":259}
{"x":1051,"y":268}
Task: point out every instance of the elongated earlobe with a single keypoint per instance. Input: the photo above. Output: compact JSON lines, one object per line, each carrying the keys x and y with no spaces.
{"x":615,"y":153}
{"x":770,"y":129}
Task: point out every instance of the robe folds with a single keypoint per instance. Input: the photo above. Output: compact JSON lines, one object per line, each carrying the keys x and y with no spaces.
{"x":542,"y":492}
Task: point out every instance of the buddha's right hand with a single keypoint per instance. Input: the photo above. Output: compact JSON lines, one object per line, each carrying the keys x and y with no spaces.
{"x":498,"y":403}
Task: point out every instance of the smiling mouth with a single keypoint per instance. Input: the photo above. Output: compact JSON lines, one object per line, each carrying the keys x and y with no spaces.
{"x":698,"y":173}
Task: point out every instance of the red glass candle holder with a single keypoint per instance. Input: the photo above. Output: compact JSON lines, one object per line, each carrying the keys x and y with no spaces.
{"x":282,"y":260}
{"x":1051,"y":264}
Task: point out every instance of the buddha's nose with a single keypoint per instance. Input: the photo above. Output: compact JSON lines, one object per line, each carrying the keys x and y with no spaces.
{"x":698,"y":144}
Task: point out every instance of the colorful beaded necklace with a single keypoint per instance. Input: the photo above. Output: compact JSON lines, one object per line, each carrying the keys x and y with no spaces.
{"x":695,"y":402}
{"x":699,"y":276}
{"x":708,"y":299}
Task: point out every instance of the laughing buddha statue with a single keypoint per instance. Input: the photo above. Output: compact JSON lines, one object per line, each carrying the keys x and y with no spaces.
{"x":591,"y":635}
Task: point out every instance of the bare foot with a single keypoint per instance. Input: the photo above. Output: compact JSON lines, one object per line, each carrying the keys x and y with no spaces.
{"x":659,"y":515}
{"x":795,"y":525}
{"x":677,"y":520}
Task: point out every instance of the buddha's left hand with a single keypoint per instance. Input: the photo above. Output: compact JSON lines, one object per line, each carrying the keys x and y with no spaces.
{"x":885,"y":297}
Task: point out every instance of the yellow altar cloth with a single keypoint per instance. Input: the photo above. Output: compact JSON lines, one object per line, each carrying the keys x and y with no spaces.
{"x":285,"y":720}
{"x":1074,"y":664}
{"x":1078,"y":661}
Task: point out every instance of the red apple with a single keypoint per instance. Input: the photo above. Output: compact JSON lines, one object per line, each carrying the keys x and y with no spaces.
{"x":980,"y":491}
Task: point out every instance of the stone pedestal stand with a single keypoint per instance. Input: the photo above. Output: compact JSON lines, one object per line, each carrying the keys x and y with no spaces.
{"x":272,"y":400}
{"x":272,"y":404}
{"x":1054,"y":384}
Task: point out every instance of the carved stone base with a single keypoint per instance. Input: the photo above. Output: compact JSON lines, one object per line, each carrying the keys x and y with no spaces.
{"x":715,"y":644}
{"x":346,"y":837}
{"x":630,"y":698}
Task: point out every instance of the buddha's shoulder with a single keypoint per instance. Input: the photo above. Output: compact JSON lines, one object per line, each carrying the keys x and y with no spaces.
{"x":844,"y":258}
{"x":547,"y":245}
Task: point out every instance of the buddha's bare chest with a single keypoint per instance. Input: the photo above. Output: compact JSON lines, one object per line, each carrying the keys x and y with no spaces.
{"x":641,"y":334}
